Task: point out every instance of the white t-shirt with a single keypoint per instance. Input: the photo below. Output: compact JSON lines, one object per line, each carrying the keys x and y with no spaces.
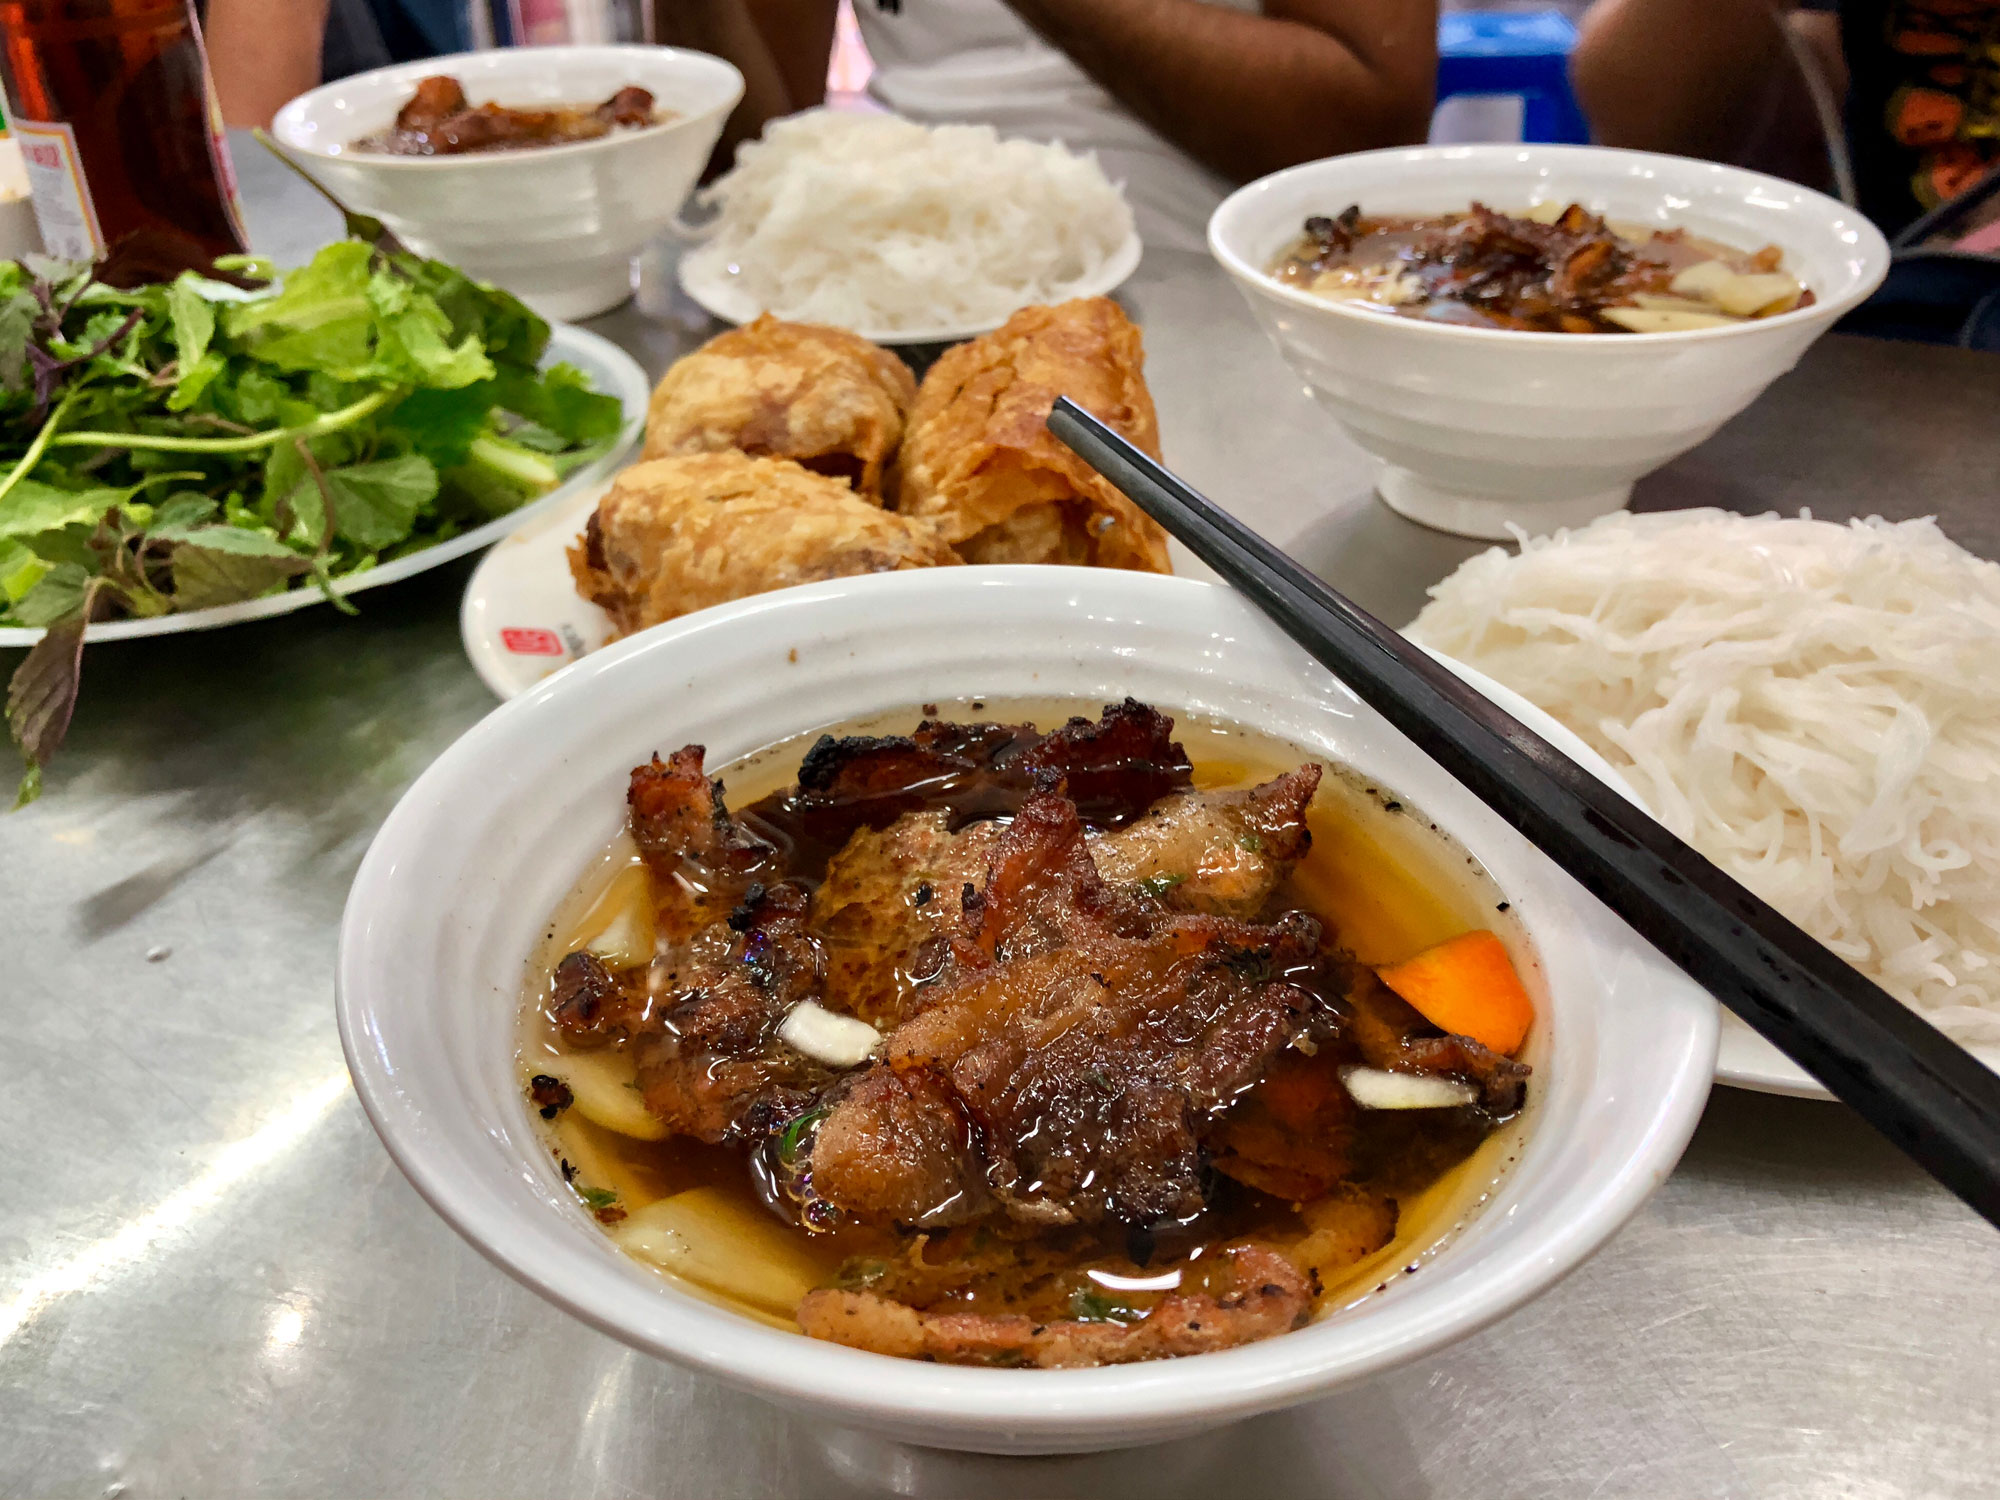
{"x":976,"y":61}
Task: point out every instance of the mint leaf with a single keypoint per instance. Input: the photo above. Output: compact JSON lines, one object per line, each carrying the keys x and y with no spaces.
{"x":20,"y":571}
{"x":376,"y":504}
{"x":181,"y":510}
{"x":194,"y":380}
{"x":442,"y":424}
{"x":560,"y":399}
{"x":32,"y":507}
{"x":56,"y":593}
{"x":416,"y":338}
{"x":193,"y":320}
{"x":321,"y":320}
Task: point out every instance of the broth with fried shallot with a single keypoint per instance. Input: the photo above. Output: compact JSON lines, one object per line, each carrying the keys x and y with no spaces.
{"x":1369,"y":1198}
{"x":1554,"y":269}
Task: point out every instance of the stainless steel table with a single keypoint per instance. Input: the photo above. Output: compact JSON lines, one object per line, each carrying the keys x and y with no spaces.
{"x":213,"y":1281}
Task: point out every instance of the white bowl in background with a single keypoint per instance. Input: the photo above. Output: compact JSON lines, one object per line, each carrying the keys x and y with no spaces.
{"x":1483,"y":427}
{"x":459,"y":884}
{"x":558,"y":226}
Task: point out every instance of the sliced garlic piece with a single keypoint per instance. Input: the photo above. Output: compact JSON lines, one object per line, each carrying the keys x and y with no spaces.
{"x":1659,"y":320}
{"x":605,"y":1085}
{"x":836,"y":1040}
{"x":1746,"y":295}
{"x":1377,"y":1088}
{"x":711,"y":1239}
{"x":620,"y":921}
{"x":1702,"y":280}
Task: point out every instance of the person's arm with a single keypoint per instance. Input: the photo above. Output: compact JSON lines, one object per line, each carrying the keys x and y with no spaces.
{"x":263,"y":54}
{"x":779,"y":46}
{"x":1718,"y":79}
{"x":1248,"y":93}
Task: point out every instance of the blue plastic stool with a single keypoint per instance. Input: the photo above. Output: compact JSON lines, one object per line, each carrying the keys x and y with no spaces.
{"x":1514,"y":52}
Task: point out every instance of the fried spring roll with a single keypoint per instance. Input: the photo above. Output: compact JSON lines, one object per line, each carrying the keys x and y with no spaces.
{"x":823,"y":397}
{"x":978,"y":460}
{"x":680,"y":534}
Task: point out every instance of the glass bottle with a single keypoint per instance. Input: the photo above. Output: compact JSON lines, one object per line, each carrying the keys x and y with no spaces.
{"x":116,"y":116}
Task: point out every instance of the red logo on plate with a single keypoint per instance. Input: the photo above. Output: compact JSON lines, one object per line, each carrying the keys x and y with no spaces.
{"x":532,"y":642}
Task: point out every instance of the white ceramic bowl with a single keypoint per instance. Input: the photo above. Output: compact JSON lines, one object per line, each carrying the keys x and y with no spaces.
{"x":1484,"y":427}
{"x":461,"y":879}
{"x":558,"y":225}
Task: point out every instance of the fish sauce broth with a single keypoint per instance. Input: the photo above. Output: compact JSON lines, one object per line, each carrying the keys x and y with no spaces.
{"x":891,"y":1192}
{"x":1553,"y":269}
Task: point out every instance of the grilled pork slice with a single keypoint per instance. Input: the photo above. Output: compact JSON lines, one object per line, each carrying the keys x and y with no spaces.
{"x":1268,"y":1296}
{"x":1088,"y":1040}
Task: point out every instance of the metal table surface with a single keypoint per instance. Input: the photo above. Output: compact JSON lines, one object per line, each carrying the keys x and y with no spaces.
{"x":214,"y":1282}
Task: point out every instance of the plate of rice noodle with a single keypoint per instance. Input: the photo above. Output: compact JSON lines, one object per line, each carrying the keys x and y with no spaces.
{"x":1814,"y":706}
{"x":904,"y":233}
{"x":784,"y":453}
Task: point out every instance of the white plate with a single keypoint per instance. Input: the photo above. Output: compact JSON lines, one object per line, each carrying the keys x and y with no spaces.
{"x":1745,"y":1060}
{"x":611,"y":371}
{"x":718,"y":294}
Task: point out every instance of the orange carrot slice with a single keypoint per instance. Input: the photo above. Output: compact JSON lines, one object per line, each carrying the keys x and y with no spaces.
{"x":1466,"y":986}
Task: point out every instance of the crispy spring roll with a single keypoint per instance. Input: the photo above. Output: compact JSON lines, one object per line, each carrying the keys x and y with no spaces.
{"x":823,"y":397}
{"x":680,"y":534}
{"x":978,"y":461}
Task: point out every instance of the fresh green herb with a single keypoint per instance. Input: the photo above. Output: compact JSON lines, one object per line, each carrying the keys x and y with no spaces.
{"x":795,"y":1135}
{"x":598,"y":1198}
{"x":1251,"y":843}
{"x":860,"y":1272}
{"x":1088,"y":1305}
{"x":1157,"y":886}
{"x":188,"y":444}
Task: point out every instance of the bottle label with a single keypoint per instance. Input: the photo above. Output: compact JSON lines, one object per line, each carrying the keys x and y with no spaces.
{"x":63,"y":208}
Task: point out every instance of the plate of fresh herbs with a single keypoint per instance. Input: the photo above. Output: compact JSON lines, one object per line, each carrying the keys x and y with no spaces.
{"x":237,"y":443}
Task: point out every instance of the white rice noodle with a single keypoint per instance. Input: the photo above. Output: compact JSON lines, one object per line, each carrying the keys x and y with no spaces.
{"x":1815,"y":707}
{"x":870,"y":221}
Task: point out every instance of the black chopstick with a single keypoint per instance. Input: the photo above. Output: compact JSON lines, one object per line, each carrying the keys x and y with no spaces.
{"x":1933,"y":1100}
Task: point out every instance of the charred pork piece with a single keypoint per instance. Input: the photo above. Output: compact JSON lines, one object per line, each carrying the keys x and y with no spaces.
{"x":712,"y":1065}
{"x":631,"y":106}
{"x":869,"y":781}
{"x":1223,"y":853}
{"x":901,"y":1143}
{"x":889,"y":903}
{"x":590,"y":1006}
{"x":1115,"y":768}
{"x":1266,"y":1296}
{"x":1391,"y":1034}
{"x":1088,"y":1040}
{"x":1292,"y":1135}
{"x":702,"y":861}
{"x":436,"y":100}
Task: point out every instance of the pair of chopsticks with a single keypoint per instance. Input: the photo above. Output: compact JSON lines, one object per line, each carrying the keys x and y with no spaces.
{"x":1933,"y":1100}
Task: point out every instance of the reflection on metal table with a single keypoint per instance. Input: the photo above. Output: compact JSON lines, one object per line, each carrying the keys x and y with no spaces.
{"x":212,"y":1280}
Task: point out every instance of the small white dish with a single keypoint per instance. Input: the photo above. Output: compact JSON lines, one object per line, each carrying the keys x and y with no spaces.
{"x":720,"y":295}
{"x":1483,"y":429}
{"x":559,"y":226}
{"x":458,"y":885}
{"x":611,"y":371}
{"x":522,"y":617}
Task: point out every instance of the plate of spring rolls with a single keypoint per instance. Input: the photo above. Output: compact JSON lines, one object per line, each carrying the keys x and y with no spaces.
{"x":780,"y":454}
